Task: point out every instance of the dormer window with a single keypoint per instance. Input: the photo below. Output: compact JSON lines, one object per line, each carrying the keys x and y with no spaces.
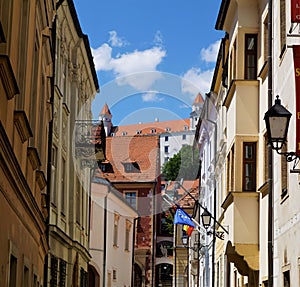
{"x":153,"y":131}
{"x":124,"y":133}
{"x":168,"y":129}
{"x":131,"y":167}
{"x":186,"y":127}
{"x":138,"y":132}
{"x":105,"y":167}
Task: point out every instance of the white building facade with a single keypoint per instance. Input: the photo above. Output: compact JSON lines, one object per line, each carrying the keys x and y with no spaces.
{"x":235,"y":181}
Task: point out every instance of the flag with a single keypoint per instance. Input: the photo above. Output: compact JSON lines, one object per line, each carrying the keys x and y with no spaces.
{"x":188,"y":229}
{"x":181,"y":217}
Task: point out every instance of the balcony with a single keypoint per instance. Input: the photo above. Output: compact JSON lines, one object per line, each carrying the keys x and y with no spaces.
{"x":241,"y":215}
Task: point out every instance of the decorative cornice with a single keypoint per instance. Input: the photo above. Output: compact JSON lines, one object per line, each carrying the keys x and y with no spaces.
{"x":22,"y":125}
{"x":41,"y":179}
{"x":8,"y":78}
{"x":34,"y":158}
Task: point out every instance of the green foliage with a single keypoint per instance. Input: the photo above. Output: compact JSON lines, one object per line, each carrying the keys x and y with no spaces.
{"x":184,"y":164}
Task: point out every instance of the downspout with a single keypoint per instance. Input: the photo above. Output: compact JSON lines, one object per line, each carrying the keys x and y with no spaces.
{"x":270,"y":153}
{"x":199,"y":220}
{"x":214,"y":201}
{"x":133,"y":249}
{"x":104,"y":239}
{"x":154,"y":235}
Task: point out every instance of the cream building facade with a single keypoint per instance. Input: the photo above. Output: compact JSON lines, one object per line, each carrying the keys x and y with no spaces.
{"x":75,"y":86}
{"x":234,"y":150}
{"x":112,"y":230}
{"x":25,"y":90}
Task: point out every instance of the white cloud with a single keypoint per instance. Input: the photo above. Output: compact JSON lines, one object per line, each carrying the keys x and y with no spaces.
{"x":195,"y":81}
{"x":158,"y":38}
{"x":210,"y":54}
{"x":102,"y":57}
{"x":130,"y":68}
{"x":151,"y":97}
{"x":138,"y":61}
{"x":116,"y":41}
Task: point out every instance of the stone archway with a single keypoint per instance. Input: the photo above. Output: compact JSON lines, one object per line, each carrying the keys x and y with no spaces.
{"x":94,"y":277}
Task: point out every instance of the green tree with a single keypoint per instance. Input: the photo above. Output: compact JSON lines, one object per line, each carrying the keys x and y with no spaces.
{"x":184,"y":164}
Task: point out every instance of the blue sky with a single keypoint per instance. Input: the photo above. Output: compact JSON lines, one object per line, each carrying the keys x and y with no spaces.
{"x":152,"y":57}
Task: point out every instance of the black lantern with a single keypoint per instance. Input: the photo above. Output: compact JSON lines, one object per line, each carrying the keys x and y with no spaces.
{"x":206,"y":218}
{"x":185,"y":240}
{"x":277,"y":120}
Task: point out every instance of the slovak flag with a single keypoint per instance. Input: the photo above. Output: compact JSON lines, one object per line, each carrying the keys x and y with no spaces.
{"x":181,"y":217}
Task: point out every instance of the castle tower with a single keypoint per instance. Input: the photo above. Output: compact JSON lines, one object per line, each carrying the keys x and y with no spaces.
{"x":106,"y":116}
{"x":197,"y":107}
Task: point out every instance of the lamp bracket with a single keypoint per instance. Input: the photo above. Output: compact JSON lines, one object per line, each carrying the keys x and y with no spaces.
{"x":219,"y":234}
{"x":291,"y":156}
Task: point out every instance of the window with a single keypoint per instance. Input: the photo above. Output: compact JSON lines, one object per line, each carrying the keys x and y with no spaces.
{"x":233,"y":62}
{"x":249,"y":166}
{"x":116,"y":229}
{"x":166,"y":159}
{"x":62,"y":273}
{"x":138,"y":132}
{"x":25,"y":277}
{"x":183,"y":137}
{"x":63,"y":186}
{"x":230,"y":170}
{"x":266,"y":38}
{"x":13,"y":271}
{"x":124,"y":133}
{"x":131,"y":198}
{"x":127,"y":235}
{"x":114,"y":275}
{"x":166,"y":138}
{"x":54,"y":271}
{"x":286,"y":279}
{"x":250,"y":56}
{"x":266,"y":159}
{"x":53,"y":176}
{"x":78,"y":197}
{"x":166,"y":149}
{"x":168,"y":129}
{"x":186,"y":127}
{"x":282,"y":26}
{"x":153,"y":131}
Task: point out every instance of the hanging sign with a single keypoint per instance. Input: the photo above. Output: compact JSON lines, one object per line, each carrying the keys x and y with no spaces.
{"x":295,"y":11}
{"x":296,"y":52}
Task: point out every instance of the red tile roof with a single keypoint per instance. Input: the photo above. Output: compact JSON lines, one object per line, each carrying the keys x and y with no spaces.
{"x":140,"y":151}
{"x":153,"y":128}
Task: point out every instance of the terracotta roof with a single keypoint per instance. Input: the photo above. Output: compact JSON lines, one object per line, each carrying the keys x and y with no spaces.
{"x":105,"y":110}
{"x":140,"y":153}
{"x":183,"y":198}
{"x":198,"y":99}
{"x":153,"y":128}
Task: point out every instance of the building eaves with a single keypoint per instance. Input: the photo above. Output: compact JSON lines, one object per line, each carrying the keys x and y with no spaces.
{"x":222,"y":14}
{"x":85,"y":41}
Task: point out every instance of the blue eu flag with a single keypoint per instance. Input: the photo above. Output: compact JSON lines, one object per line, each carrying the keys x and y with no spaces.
{"x":181,"y":217}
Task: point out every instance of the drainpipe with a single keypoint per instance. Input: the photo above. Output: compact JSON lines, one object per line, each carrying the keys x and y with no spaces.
{"x":214,"y":200}
{"x":105,"y":239}
{"x":270,"y":153}
{"x":133,"y":249}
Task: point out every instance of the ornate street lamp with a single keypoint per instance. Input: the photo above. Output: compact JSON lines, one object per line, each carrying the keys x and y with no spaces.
{"x":277,"y":120}
{"x":206,"y":218}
